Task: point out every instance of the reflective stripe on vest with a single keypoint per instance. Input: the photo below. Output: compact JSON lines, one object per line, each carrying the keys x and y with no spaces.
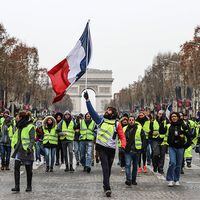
{"x":69,"y":130}
{"x":106,"y":131}
{"x":25,"y":139}
{"x":87,"y":133}
{"x":51,"y":136}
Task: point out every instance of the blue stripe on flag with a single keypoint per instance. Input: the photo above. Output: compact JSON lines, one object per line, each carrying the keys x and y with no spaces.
{"x":87,"y":45}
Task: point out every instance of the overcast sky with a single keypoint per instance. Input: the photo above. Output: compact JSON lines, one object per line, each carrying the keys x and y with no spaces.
{"x":126,"y":34}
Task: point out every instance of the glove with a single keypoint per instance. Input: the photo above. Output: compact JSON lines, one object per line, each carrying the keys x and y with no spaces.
{"x":86,"y":96}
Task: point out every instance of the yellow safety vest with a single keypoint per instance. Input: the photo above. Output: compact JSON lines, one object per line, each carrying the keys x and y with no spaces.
{"x":51,"y":136}
{"x":146,"y":128}
{"x":87,"y":133}
{"x":69,"y":130}
{"x":106,"y":131}
{"x":156,"y":127}
{"x":25,"y":139}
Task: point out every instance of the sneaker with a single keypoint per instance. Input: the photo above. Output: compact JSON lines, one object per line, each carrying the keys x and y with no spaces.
{"x":177,"y":183}
{"x":15,"y":189}
{"x":155,"y":170}
{"x":71,"y":168}
{"x":51,"y":169}
{"x":67,"y":168}
{"x":85,"y":169}
{"x":189,"y":165}
{"x":28,"y":189}
{"x":170,"y":183}
{"x":134,"y":182}
{"x":128,"y":182}
{"x":139,"y":170}
{"x":161,"y":172}
{"x":47,"y":169}
{"x":37,"y":162}
{"x":88,"y":170}
{"x":145,"y":169}
{"x":108,"y":193}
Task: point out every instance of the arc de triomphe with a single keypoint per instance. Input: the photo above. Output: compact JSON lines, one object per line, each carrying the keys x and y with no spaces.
{"x":100,"y":81}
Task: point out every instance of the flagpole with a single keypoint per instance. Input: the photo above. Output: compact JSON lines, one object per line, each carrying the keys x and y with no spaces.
{"x":87,"y":57}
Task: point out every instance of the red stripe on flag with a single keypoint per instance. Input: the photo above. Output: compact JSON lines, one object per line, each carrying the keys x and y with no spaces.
{"x":58,"y":75}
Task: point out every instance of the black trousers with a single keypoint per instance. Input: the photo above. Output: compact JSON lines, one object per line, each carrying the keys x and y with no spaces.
{"x":121,"y":158}
{"x":106,"y":158}
{"x":158,"y":155}
{"x":29,"y":173}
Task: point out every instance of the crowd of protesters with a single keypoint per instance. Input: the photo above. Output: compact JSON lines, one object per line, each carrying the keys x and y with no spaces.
{"x":140,"y":140}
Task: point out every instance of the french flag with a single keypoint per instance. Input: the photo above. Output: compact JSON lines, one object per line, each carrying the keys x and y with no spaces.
{"x":72,"y":68}
{"x":169,"y":110}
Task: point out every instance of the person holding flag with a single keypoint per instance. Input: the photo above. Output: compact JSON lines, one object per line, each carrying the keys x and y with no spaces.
{"x":108,"y":130}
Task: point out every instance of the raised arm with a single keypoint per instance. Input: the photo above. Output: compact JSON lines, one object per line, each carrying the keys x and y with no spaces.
{"x":91,"y":110}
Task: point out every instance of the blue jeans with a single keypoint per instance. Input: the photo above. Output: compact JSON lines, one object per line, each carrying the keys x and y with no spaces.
{"x":175,"y":163}
{"x":86,"y":153}
{"x":149,"y":151}
{"x":131,"y":159}
{"x":50,"y":156}
{"x":5,"y":155}
{"x":77,"y":150}
{"x":39,"y":150}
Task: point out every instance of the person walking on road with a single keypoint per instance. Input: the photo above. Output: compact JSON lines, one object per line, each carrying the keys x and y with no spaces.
{"x":50,"y":141}
{"x":59,"y":152}
{"x":178,"y":139}
{"x":135,"y":138}
{"x":23,"y":142}
{"x":7,"y":130}
{"x":87,"y":136}
{"x":66,"y":130}
{"x":108,"y":130}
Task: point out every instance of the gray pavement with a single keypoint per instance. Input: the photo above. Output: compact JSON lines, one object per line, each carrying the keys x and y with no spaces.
{"x":80,"y":185}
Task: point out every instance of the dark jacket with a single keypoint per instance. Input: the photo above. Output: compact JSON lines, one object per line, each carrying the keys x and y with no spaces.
{"x":19,"y":152}
{"x":5,"y":138}
{"x":178,"y":136}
